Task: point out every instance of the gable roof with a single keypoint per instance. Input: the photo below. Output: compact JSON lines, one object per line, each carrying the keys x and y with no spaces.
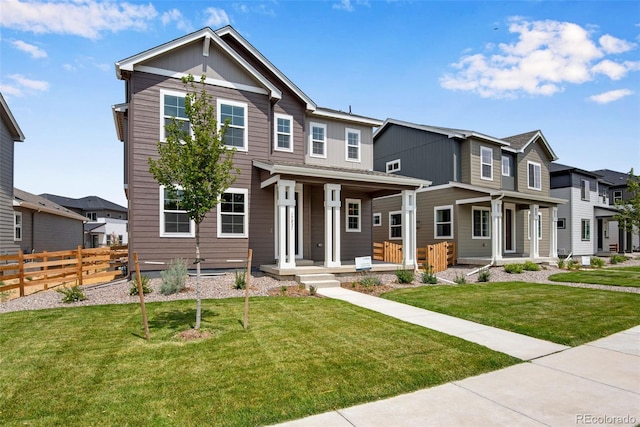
{"x":10,"y":121}
{"x":88,"y":203}
{"x":30,"y":201}
{"x":557,"y":168}
{"x":519,"y":143}
{"x":613,"y":177}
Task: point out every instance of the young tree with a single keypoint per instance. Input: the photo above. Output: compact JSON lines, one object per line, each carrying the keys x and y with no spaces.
{"x":194,"y":164}
{"x":628,"y":215}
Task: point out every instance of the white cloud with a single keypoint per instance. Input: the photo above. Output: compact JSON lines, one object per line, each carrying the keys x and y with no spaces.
{"x":546,"y":56}
{"x":174,"y":15}
{"x":23,"y":82}
{"x":32,"y":50}
{"x":216,"y":17}
{"x":10,"y":90}
{"x":612,"y":95}
{"x":349,"y":5}
{"x":84,"y":18}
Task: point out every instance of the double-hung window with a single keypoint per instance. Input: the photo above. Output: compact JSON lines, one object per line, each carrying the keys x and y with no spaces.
{"x":232,"y":213}
{"x":506,"y":165}
{"x":481,"y":227}
{"x":353,"y":213}
{"x":617,"y":196}
{"x":486,"y":163}
{"x":534,"y":176}
{"x":318,"y":140}
{"x":173,"y":108}
{"x":352,"y":139}
{"x":174,"y":219}
{"x":395,"y":225}
{"x":235,"y":115}
{"x":584,"y":190}
{"x":443,"y":222}
{"x":585,"y":229}
{"x":17,"y":226}
{"x":283,"y":131}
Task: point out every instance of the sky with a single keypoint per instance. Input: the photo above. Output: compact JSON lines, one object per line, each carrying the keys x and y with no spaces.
{"x":569,"y":69}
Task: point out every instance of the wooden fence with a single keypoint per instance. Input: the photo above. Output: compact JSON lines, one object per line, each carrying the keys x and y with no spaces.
{"x":30,"y":273}
{"x":439,"y":256}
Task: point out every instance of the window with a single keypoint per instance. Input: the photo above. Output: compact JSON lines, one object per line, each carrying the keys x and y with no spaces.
{"x":93,"y":216}
{"x":393,"y":166}
{"x":232,"y":213}
{"x":318,"y":140}
{"x":506,"y":165}
{"x":353,"y":215}
{"x":561,"y":223}
{"x":534,"y":175}
{"x":377,"y":219}
{"x":539,"y":225}
{"x":617,"y":196}
{"x":235,"y":115}
{"x":585,"y":229}
{"x":443,"y":222}
{"x":486,"y":163}
{"x":584,"y":189}
{"x":283,"y":132}
{"x":172,"y":108}
{"x":395,"y":225}
{"x":481,"y":223}
{"x":352,"y":138}
{"x":174,"y":220}
{"x":17,"y":226}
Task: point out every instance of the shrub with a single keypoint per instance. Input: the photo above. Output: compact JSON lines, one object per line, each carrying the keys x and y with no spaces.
{"x":596,"y":262}
{"x":145,"y":285}
{"x":312,"y":290}
{"x":174,"y":278}
{"x":404,"y":276}
{"x":72,"y":294}
{"x":616,"y":258}
{"x":574,"y":264}
{"x":560,"y":263}
{"x":368,"y":281}
{"x":484,"y":275}
{"x":240,"y":279}
{"x":460,"y":279}
{"x":428,"y":276}
{"x":530,"y":266}
{"x":514,"y":268}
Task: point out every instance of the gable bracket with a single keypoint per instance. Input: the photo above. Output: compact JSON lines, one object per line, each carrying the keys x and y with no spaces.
{"x":205,"y":46}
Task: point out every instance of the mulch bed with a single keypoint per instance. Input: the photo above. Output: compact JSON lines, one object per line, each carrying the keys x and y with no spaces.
{"x":375,"y":290}
{"x":291,"y":291}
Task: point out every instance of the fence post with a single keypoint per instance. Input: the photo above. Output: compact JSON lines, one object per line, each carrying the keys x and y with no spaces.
{"x":45,"y":268}
{"x":141,"y":294}
{"x":21,"y":271}
{"x":79,"y":259}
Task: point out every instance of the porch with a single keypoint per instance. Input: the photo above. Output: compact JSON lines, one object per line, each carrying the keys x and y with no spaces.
{"x":307,"y":267}
{"x":507,"y":259}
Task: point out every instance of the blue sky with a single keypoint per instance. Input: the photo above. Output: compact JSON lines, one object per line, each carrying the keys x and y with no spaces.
{"x":570,"y":69}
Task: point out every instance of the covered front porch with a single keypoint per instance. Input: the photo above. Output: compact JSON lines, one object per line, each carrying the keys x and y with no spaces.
{"x":346,"y":268}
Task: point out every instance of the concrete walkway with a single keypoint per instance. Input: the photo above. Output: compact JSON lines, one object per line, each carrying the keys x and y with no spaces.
{"x":594,"y":384}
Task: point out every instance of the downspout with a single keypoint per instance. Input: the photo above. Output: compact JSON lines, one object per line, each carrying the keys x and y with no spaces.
{"x":493,"y":257}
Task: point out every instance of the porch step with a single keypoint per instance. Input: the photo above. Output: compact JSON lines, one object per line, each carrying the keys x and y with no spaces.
{"x":318,"y":280}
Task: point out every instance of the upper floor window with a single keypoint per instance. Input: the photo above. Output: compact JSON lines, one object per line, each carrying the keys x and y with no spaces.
{"x":395,"y":225}
{"x":377,"y":219}
{"x":534,"y":176}
{"x":318,"y":140}
{"x":506,"y":165}
{"x":173,"y":108}
{"x":353,"y":214}
{"x":352,"y":137}
{"x":232,"y":213}
{"x":617,"y":196}
{"x":443,"y":222}
{"x":17,"y":226}
{"x":283,"y":131}
{"x":393,"y":166}
{"x":584,"y":189}
{"x":486,"y":163}
{"x":93,"y":216}
{"x":235,"y":114}
{"x":174,"y":219}
{"x":481,"y":227}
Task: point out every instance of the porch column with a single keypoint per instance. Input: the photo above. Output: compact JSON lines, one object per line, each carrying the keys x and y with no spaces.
{"x":332,"y":225}
{"x":534,"y":243}
{"x":409,"y":229}
{"x":553,"y":233}
{"x":496,"y":235}
{"x":286,"y":224}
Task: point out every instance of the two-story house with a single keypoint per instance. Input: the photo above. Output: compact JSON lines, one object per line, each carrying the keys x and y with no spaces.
{"x":489,"y":195}
{"x":305,"y":190}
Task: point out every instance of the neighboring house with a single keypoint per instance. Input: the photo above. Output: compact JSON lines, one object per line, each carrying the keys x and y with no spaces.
{"x":618,"y":191}
{"x":44,"y":225}
{"x":10,"y":132}
{"x":305,"y":188}
{"x":584,"y":221}
{"x":484,"y":189}
{"x":107,"y":221}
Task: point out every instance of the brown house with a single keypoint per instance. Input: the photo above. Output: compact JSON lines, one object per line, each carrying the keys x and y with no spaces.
{"x":306,"y":185}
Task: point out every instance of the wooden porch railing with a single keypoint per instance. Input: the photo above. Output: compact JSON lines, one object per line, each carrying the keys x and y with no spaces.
{"x":439,"y":256}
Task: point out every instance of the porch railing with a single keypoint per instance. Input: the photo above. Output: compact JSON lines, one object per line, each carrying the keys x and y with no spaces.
{"x":439,"y":256}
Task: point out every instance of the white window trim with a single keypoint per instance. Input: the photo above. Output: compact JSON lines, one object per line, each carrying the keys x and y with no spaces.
{"x":582,"y":230}
{"x":506,"y":171}
{"x":347,"y":216}
{"x":390,"y":215}
{"x":244,"y":235}
{"x":219,"y":103}
{"x":539,"y":168}
{"x":379,"y":217}
{"x":346,"y":145}
{"x":529,"y":225}
{"x":483,"y":209}
{"x":163,"y":233}
{"x":482,"y":163}
{"x":17,"y":226}
{"x":435,"y":221}
{"x":276,"y":133}
{"x":390,"y":166}
{"x":562,"y":223}
{"x":311,"y":140}
{"x":584,"y":190}
{"x":163,"y":92}
{"x":617,"y":195}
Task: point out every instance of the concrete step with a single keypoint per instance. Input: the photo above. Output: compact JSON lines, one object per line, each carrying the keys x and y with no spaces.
{"x":314,"y":276}
{"x":318,"y":280}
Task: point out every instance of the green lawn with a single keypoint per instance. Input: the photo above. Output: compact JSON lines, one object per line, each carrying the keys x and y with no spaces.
{"x":90,"y":365}
{"x":618,"y":276}
{"x":561,"y":314}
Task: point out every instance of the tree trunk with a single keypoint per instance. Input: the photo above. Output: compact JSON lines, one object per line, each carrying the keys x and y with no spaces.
{"x":198,"y":304}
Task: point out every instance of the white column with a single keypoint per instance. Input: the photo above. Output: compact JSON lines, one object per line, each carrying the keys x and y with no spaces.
{"x":553,"y":233}
{"x":534,"y":243}
{"x":409,"y":229}
{"x":286,"y":224}
{"x":496,"y":232}
{"x":332,"y":225}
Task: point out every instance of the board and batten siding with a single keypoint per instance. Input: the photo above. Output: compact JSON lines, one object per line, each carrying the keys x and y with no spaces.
{"x":534,"y":153}
{"x":7,"y":244}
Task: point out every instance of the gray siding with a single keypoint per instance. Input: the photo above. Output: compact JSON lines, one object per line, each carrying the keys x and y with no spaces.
{"x":537,"y":154}
{"x":475,"y":167}
{"x":336,"y":145}
{"x":7,"y":245}
{"x":509,"y":181}
{"x":46,"y":232}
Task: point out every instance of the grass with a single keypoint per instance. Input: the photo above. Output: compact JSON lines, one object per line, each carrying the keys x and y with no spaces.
{"x":617,"y":276}
{"x":301,"y":356}
{"x":564,"y":315}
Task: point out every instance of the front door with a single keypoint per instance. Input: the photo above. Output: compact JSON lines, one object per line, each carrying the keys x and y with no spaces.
{"x":600,"y":235}
{"x":509,"y":234}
